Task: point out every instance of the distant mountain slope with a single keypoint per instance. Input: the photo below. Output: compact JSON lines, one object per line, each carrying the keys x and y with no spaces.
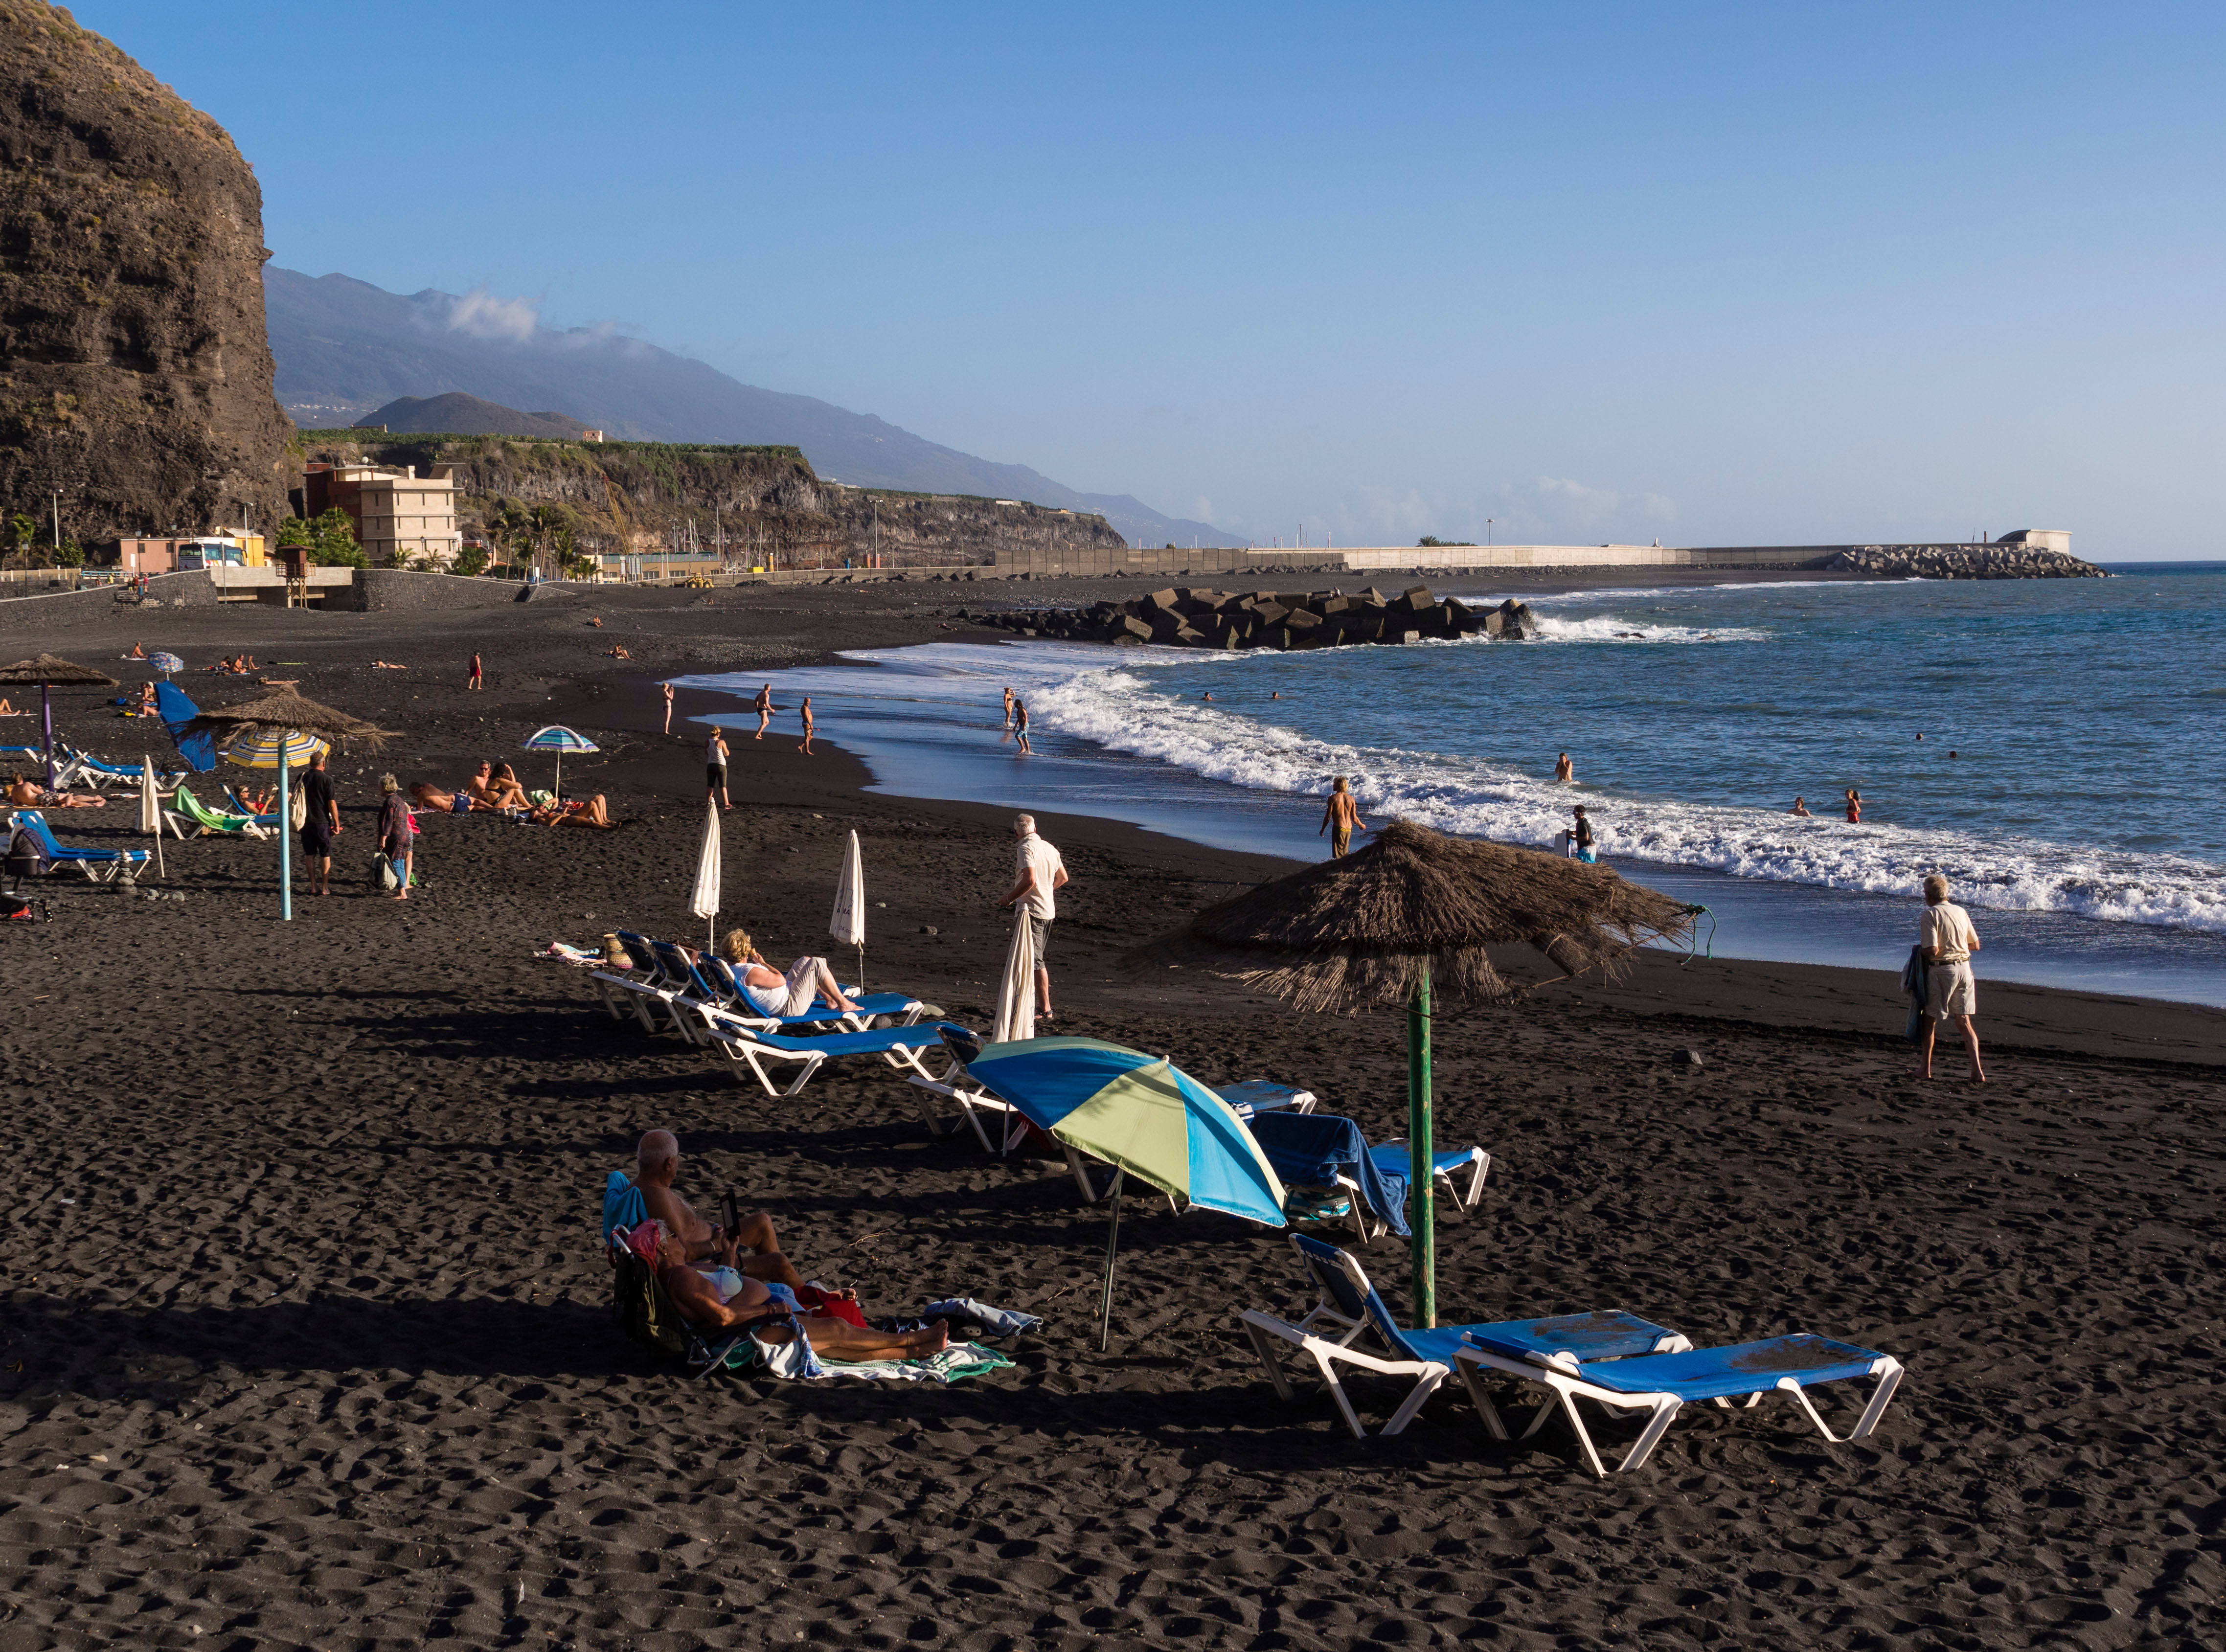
{"x":458,"y":414}
{"x":344,"y":347}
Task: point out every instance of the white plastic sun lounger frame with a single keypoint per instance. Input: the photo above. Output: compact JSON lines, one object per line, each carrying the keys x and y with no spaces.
{"x":748,"y":1054}
{"x":1328,"y":1353}
{"x":1479,"y":1168}
{"x":640,"y":991}
{"x":974,"y":1103}
{"x":1558,"y":1373}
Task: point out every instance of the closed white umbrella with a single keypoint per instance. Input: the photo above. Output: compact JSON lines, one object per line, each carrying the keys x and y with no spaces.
{"x":1016,"y":995}
{"x":705,"y":901}
{"x":848,"y":925}
{"x":150,"y":810}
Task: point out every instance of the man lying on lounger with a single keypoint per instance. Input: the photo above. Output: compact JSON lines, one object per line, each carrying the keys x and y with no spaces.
{"x":722,"y":1296}
{"x":29,"y":794}
{"x":656,"y":1163}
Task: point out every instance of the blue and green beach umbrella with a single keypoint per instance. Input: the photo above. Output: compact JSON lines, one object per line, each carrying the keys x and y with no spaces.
{"x":1141,"y":1114}
{"x":560,"y":740}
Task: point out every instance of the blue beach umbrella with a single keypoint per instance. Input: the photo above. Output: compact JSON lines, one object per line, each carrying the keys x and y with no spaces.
{"x":1144,"y":1115}
{"x":560,"y":740}
{"x":165,"y":664}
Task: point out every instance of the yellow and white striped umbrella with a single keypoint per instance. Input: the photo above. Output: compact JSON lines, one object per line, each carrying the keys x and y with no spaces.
{"x":261,"y":750}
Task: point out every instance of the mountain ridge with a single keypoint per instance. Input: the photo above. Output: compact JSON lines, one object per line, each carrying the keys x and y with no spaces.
{"x":344,"y":347}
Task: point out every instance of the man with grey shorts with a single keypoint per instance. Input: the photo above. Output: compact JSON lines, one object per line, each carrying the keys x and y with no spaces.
{"x":1040,"y":872}
{"x":1949,"y":941}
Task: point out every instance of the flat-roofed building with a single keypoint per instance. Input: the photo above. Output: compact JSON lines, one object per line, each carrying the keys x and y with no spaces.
{"x":399,"y":516}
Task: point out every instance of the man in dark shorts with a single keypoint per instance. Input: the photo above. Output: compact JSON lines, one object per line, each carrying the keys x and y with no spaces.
{"x":715,"y":767}
{"x":1041,"y":874}
{"x":320,"y":824}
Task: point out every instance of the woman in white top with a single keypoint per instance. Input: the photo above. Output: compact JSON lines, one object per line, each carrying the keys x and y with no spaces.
{"x":715,"y":767}
{"x":1949,"y":941}
{"x":809,"y":981}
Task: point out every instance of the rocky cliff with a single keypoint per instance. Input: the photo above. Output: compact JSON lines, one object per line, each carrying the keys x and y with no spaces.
{"x":134,"y":374}
{"x":761,"y":501}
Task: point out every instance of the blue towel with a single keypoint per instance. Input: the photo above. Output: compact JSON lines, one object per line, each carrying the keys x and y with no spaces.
{"x":622,"y":1205}
{"x":996,"y":1322}
{"x":1312,"y":1149}
{"x":176,"y":711}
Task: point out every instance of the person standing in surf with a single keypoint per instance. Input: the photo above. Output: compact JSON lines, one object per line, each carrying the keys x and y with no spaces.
{"x":1577,"y":843}
{"x":1565,"y":771}
{"x":1340,"y":817}
{"x":1008,"y":705}
{"x":1854,"y":807}
{"x":1020,"y":728}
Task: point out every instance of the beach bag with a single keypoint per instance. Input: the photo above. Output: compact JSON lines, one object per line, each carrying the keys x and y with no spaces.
{"x":384,"y":873}
{"x":298,"y":810}
{"x":642,"y":1309}
{"x":1317,"y":1203}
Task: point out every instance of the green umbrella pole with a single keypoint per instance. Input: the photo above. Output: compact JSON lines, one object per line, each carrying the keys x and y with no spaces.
{"x":1112,"y":1242}
{"x":1419,"y":1151}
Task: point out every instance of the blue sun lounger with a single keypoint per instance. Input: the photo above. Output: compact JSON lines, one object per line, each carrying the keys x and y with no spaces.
{"x":1459,"y":1175}
{"x":753,"y":1050}
{"x":1665,"y":1383}
{"x":1348,"y":1303}
{"x":717,"y":985}
{"x":101,"y":866}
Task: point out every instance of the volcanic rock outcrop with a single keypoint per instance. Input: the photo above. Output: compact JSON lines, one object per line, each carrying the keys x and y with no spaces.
{"x":1960,"y":563}
{"x":134,"y":377}
{"x":1185,"y":618}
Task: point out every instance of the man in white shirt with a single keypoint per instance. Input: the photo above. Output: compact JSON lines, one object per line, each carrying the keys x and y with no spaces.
{"x":1949,"y":941}
{"x":1040,"y":873}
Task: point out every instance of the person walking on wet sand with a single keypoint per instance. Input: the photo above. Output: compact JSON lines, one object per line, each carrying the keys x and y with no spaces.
{"x":1949,"y":941}
{"x":668,"y":707}
{"x":396,"y":829}
{"x":714,"y":768}
{"x":1021,"y":729}
{"x":1340,"y":818}
{"x":804,"y":711}
{"x":1041,"y":874}
{"x":1565,"y":772}
{"x":764,"y":706}
{"x":477,"y":678}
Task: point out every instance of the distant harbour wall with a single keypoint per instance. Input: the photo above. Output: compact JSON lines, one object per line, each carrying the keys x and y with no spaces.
{"x":1998,"y":556}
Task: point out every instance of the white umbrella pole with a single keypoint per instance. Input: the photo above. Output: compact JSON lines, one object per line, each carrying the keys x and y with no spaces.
{"x":1112,"y":1244}
{"x":285,"y":840}
{"x":147,"y":778}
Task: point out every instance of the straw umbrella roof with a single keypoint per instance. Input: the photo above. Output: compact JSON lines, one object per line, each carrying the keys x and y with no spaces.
{"x":46,"y":670}
{"x":287,"y":713}
{"x":1355,"y":932}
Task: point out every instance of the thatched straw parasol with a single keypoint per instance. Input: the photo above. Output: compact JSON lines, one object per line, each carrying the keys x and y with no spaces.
{"x":285,"y":715}
{"x":1414,"y":910}
{"x":50,"y":673}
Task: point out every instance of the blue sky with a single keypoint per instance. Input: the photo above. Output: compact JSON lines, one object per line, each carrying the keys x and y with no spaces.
{"x":1719,"y":275}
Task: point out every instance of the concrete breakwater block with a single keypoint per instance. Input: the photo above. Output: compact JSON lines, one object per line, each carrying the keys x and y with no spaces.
{"x":1187,"y":617}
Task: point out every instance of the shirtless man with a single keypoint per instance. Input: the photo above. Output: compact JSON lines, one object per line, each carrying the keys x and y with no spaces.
{"x":1340,"y":818}
{"x":487,"y":793}
{"x":655,"y":1162}
{"x":764,"y":706}
{"x":29,"y":794}
{"x":1565,"y":771}
{"x":805,"y":712}
{"x":1800,"y":809}
{"x":726,"y":1297}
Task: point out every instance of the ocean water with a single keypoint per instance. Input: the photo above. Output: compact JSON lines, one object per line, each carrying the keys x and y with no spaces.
{"x":2071,"y":780}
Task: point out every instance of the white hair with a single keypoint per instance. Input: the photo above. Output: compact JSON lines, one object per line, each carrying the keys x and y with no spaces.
{"x":1026,"y":823}
{"x":657,"y":1148}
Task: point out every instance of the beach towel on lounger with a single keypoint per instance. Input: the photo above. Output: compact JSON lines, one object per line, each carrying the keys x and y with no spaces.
{"x":953,"y":1365}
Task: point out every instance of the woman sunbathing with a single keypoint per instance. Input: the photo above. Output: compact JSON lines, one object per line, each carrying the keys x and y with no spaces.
{"x":618,"y":651}
{"x":385,"y":666}
{"x":593,"y":812}
{"x":491,"y":791}
{"x":721,"y":1296}
{"x":808,"y":981}
{"x":449,"y":802}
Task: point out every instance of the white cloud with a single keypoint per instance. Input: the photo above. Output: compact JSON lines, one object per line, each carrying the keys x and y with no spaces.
{"x":484,"y":316}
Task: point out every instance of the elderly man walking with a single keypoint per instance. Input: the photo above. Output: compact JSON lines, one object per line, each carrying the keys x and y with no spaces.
{"x":1949,"y":941}
{"x":1040,"y":873}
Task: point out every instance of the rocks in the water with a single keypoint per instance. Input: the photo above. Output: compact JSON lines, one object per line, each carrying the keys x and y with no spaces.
{"x":1196,"y":618}
{"x":1960,"y":563}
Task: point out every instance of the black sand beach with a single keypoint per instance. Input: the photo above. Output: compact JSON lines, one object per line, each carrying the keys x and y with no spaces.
{"x":306,"y":1339}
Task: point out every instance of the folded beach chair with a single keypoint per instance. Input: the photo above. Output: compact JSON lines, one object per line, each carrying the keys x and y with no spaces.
{"x":1349,"y":1303}
{"x":186,"y":809}
{"x":1459,"y":1175}
{"x":755,"y":1051}
{"x":101,"y":866}
{"x":1664,"y":1383}
{"x":1321,"y":1150}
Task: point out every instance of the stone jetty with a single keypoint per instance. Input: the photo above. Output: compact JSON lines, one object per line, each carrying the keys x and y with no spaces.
{"x":1186,"y":617}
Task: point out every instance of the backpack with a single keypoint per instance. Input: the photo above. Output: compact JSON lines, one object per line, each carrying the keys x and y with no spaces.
{"x":641,"y":1306}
